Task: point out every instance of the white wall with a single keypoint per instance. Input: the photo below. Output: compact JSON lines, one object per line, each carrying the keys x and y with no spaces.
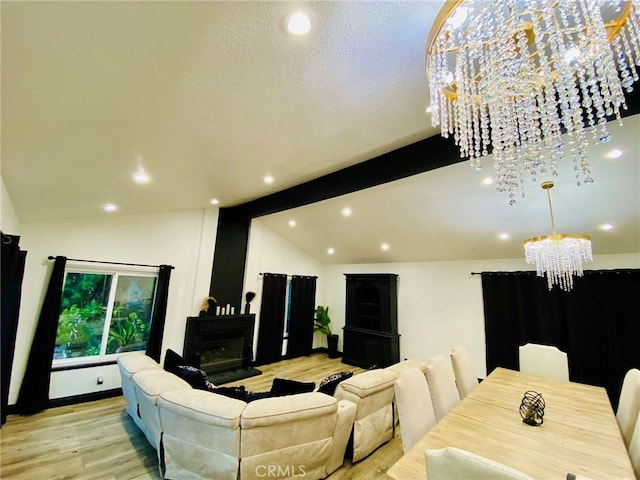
{"x":440,"y":303}
{"x":184,"y":239}
{"x":8,"y":219}
{"x":268,"y":252}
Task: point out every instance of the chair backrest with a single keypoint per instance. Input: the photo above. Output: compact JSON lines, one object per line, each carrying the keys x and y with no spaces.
{"x":466,"y":378}
{"x":629,"y":404}
{"x":442,"y":385}
{"x":544,"y":361}
{"x":634,"y":448}
{"x":415,"y":409}
{"x":448,"y":463}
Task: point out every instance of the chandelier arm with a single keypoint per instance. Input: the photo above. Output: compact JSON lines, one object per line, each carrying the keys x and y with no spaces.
{"x":614,"y":26}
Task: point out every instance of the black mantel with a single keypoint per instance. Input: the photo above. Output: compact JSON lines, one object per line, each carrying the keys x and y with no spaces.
{"x":202,"y":329}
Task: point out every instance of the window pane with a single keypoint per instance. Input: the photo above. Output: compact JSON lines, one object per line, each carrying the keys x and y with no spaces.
{"x":82,"y":314}
{"x":129,"y":329}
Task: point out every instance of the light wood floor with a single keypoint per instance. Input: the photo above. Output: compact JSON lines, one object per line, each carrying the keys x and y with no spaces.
{"x":98,"y":440}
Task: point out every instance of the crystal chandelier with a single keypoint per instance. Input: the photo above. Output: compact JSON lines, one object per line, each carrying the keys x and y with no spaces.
{"x":560,"y":255}
{"x":511,"y":76}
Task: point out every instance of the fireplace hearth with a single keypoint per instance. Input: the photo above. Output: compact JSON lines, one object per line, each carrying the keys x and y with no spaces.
{"x":220,"y":345}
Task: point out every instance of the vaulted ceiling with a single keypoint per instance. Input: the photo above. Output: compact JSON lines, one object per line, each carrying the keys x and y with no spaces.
{"x":210,"y":97}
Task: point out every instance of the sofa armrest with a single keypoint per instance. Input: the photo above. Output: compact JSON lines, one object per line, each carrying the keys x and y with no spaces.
{"x":344,"y":424}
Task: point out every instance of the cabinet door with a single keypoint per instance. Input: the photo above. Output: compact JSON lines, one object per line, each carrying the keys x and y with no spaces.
{"x":371,"y":302}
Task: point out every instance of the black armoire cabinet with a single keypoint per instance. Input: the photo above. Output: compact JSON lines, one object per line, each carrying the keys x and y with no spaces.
{"x":371,"y":320}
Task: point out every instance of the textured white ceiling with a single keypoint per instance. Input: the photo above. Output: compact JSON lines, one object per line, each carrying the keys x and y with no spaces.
{"x":209,"y":97}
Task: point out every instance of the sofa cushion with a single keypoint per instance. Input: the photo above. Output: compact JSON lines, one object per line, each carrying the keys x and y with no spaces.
{"x":131,"y":363}
{"x":277,"y":410}
{"x":329,"y":384}
{"x":204,"y":407}
{"x":153,"y":382}
{"x":369,"y":382}
{"x":283,"y":386}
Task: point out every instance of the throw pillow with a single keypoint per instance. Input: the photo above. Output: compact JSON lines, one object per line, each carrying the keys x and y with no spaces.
{"x":283,"y":386}
{"x":329,"y":384}
{"x":251,"y":396}
{"x":239,"y":393}
{"x":172,"y":360}
{"x":195,"y":377}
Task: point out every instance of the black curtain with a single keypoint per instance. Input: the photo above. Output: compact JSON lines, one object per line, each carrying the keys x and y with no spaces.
{"x":34,"y":391}
{"x":270,"y":330}
{"x":301,"y":313}
{"x":156,"y":330}
{"x":597,"y":323}
{"x":12,"y":270}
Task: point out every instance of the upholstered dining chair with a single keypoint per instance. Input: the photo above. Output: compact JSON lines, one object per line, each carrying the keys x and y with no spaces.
{"x":415,"y":409}
{"x":544,"y":361}
{"x":454,"y":463}
{"x":466,"y":378}
{"x":629,"y":404}
{"x":634,"y":448}
{"x":442,"y":385}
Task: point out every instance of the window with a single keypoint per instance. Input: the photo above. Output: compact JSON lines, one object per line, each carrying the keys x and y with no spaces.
{"x":103,"y":313}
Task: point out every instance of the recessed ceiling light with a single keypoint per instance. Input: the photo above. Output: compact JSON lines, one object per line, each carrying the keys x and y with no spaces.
{"x":607,"y":227}
{"x":384,"y":247}
{"x":330,"y":251}
{"x":292,"y":223}
{"x":487,"y":181}
{"x":298,"y":24}
{"x":615,"y":153}
{"x":268,"y":179}
{"x":214,"y":201}
{"x":346,"y":211}
{"x":503,"y":236}
{"x":109,"y":207}
{"x":140,"y":176}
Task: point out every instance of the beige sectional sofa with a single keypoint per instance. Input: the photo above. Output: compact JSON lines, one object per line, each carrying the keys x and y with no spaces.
{"x":203,"y":435}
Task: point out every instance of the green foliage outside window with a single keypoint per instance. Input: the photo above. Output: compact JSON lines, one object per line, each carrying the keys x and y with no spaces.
{"x":85,"y":303}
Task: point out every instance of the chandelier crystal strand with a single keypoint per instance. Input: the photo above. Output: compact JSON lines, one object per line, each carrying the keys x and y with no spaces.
{"x":512,"y":76}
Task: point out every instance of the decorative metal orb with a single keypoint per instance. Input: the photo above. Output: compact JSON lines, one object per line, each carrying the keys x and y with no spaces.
{"x":532,"y":408}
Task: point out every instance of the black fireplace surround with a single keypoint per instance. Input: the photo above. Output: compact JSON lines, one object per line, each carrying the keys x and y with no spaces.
{"x":219,"y":344}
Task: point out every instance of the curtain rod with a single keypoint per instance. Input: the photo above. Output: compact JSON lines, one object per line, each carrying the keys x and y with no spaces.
{"x":288,"y":276}
{"x":51,"y":257}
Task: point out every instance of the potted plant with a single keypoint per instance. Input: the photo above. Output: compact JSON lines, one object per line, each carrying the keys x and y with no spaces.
{"x":321,"y":324}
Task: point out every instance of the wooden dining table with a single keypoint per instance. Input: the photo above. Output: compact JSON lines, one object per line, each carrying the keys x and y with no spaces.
{"x":579,"y":433}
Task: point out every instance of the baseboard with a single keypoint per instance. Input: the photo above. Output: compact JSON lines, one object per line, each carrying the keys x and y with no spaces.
{"x":85,"y":397}
{"x":73,"y":400}
{"x":324,"y":350}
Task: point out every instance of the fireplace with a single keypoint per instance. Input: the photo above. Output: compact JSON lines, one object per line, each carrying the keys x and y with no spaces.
{"x":219,"y":344}
{"x":222,"y":352}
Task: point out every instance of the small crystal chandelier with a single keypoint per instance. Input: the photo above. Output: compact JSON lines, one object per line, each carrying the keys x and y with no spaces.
{"x":512,"y":76}
{"x":560,"y":255}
